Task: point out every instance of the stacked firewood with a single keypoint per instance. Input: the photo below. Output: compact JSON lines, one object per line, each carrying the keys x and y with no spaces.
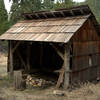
{"x":37,"y":82}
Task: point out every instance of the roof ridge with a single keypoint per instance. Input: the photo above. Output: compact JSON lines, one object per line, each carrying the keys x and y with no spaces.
{"x":64,"y":12}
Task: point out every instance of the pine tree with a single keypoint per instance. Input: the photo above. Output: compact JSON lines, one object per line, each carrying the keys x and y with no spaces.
{"x":3,"y":12}
{"x":4,"y":25}
{"x":63,"y":4}
{"x":23,"y":6}
{"x":95,"y":7}
{"x":48,"y":4}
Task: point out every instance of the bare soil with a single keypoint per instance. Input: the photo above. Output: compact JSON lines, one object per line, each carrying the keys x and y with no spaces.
{"x":87,"y":91}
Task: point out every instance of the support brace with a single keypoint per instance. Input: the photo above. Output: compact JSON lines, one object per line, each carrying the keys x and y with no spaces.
{"x":17,"y":44}
{"x":65,"y":68}
{"x":58,"y":52}
{"x":21,"y":59}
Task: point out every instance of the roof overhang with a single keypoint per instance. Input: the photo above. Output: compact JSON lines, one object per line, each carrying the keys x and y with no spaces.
{"x":49,"y":30}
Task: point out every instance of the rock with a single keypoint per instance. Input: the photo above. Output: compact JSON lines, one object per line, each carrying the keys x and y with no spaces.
{"x":58,"y":93}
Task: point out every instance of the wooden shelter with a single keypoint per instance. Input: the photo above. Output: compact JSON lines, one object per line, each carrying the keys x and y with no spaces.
{"x":65,"y":41}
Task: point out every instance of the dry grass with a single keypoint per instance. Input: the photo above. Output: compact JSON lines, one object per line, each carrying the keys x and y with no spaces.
{"x":87,"y":91}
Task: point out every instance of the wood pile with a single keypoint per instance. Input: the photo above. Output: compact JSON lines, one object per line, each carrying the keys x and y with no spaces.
{"x":38,"y":82}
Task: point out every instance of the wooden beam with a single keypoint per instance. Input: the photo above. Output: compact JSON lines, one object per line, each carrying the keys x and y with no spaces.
{"x":28,"y":57}
{"x":21,"y":59}
{"x":53,"y":13}
{"x":58,"y":52}
{"x":66,"y":66}
{"x":44,"y":15}
{"x":62,"y":13}
{"x":82,"y":11}
{"x":37,"y":16}
{"x":11,"y":59}
{"x":64,"y":74}
{"x":60,"y":79}
{"x":17,"y":44}
{"x":71,"y":11}
{"x":19,"y":82}
{"x":30,"y":16}
{"x":41,"y":55}
{"x":8,"y":59}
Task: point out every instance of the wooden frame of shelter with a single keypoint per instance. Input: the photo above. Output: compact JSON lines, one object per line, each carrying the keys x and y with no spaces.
{"x":67,"y":31}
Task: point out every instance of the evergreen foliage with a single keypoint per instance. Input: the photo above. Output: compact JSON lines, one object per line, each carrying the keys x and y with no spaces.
{"x":95,"y":7}
{"x":23,"y":6}
{"x":4,"y":24}
{"x":63,"y":4}
{"x":47,"y":4}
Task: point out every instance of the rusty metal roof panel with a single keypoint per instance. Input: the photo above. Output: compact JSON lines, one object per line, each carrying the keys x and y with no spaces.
{"x":49,"y":30}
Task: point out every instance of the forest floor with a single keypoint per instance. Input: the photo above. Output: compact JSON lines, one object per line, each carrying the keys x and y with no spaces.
{"x":87,"y":91}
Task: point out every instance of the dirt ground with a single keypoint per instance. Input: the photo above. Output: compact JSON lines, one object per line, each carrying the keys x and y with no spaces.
{"x":88,"y":91}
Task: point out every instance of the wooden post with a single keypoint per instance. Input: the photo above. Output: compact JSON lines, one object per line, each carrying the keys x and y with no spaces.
{"x":28,"y":57}
{"x":21,"y":59}
{"x":58,"y":52}
{"x":67,"y":66}
{"x":19,"y":82}
{"x":41,"y":55}
{"x":60,"y":79}
{"x":64,"y":74}
{"x":8,"y":62}
{"x":11,"y":59}
{"x":16,"y":46}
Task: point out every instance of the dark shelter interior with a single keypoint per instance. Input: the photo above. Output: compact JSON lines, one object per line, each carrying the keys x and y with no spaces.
{"x":40,"y":59}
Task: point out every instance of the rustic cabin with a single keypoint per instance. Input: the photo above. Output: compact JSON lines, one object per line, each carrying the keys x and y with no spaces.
{"x":61,"y":45}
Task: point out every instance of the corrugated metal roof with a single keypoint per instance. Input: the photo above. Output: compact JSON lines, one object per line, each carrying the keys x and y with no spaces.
{"x":51,"y":30}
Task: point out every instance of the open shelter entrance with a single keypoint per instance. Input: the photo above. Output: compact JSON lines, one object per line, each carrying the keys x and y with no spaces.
{"x":41,"y":59}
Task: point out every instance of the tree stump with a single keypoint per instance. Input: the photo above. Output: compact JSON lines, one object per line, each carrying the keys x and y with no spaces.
{"x":19,"y":82}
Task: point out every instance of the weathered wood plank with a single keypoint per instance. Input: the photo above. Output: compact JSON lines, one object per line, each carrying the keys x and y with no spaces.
{"x":19,"y":83}
{"x":8,"y":59}
{"x":41,"y":55}
{"x":64,"y":74}
{"x":11,"y":59}
{"x":67,"y":66}
{"x":60,"y":79}
{"x":21,"y":59}
{"x":16,"y":46}
{"x":28,"y":57}
{"x":85,"y":48}
{"x":58,"y":52}
{"x":88,"y":74}
{"x":83,"y":62}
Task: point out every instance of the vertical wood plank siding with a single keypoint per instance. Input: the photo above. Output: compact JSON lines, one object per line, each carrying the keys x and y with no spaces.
{"x":86,"y":54}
